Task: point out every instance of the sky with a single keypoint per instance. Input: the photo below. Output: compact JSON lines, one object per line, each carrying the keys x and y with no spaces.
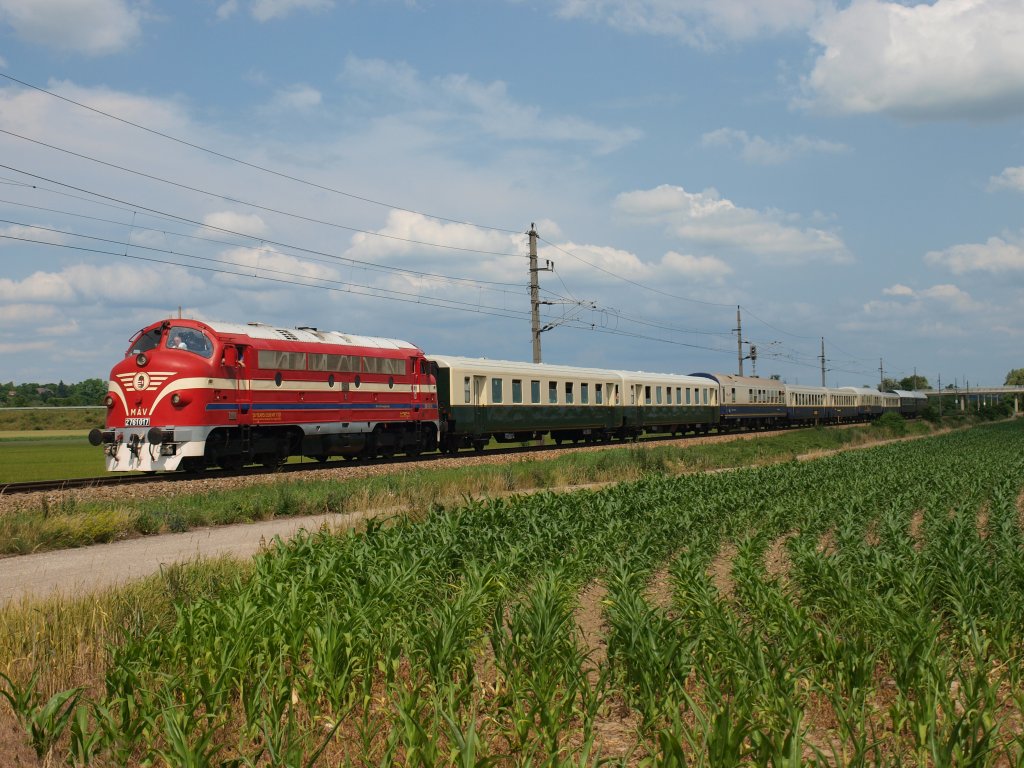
{"x":846,"y":173}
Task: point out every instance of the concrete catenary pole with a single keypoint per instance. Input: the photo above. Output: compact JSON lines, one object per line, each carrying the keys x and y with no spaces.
{"x":534,"y":295}
{"x":823,"y":361}
{"x":739,"y":340}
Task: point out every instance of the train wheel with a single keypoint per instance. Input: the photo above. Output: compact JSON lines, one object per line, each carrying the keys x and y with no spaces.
{"x":479,"y":445}
{"x":322,"y":458}
{"x":231,"y":463}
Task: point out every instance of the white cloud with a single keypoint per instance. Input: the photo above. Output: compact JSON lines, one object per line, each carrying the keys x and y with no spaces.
{"x":947,"y":59}
{"x":274,"y":264}
{"x":227,"y":9}
{"x":23,"y":232}
{"x":1010,"y":178}
{"x":296,"y":98}
{"x":92,"y":27}
{"x":85,"y":283}
{"x":946,"y":296}
{"x":755,"y":149}
{"x":696,"y":22}
{"x":898,"y":290}
{"x":462,"y":107}
{"x":265,"y":10}
{"x":232,"y":221}
{"x":995,"y":255}
{"x":706,"y":218}
{"x":706,"y":268}
{"x":405,"y":233}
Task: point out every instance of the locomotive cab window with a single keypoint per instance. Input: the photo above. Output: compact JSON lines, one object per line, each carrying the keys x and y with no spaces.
{"x":143,"y":342}
{"x":189,"y":340}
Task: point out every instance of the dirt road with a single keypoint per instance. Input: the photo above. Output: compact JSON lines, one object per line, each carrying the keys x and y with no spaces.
{"x":88,"y":569}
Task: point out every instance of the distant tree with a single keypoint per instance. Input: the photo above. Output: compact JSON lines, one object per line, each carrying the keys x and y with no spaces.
{"x":1015,"y":378}
{"x":776,"y":377}
{"x":888,"y":384}
{"x":913,"y":382}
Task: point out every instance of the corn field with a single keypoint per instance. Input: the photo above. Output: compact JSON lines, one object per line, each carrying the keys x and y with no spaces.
{"x":861,"y":609}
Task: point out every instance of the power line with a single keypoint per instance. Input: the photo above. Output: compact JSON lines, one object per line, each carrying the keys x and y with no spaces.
{"x":628,"y":280}
{"x":364,"y":290}
{"x":237,"y":201}
{"x":330,"y":258}
{"x":245,"y":163}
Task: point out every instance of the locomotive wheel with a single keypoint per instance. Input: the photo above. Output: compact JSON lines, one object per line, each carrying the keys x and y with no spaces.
{"x":231,"y":463}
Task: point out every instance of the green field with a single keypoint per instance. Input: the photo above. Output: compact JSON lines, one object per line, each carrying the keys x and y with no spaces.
{"x":866,"y":608}
{"x":58,"y":455}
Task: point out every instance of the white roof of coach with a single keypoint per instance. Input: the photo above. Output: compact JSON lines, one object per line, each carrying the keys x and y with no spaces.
{"x":860,"y":390}
{"x":308,"y":335}
{"x":483,"y":364}
{"x":910,"y":394}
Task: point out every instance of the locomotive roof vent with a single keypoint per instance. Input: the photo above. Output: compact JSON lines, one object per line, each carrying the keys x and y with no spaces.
{"x":287,"y":334}
{"x":306,"y":328}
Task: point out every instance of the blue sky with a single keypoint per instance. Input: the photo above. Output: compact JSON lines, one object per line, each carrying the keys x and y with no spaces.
{"x":846,"y":170}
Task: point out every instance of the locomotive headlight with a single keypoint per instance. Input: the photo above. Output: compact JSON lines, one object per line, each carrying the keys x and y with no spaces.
{"x":109,"y":400}
{"x":180,"y":400}
{"x":176,"y":398}
{"x":141,"y":360}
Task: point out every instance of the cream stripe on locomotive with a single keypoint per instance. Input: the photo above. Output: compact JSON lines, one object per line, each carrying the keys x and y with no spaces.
{"x":118,"y":388}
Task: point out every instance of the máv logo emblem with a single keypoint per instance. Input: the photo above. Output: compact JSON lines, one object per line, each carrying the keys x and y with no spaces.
{"x":141,"y":381}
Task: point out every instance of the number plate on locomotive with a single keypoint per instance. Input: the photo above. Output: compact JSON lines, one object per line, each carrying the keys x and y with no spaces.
{"x":136,"y":422}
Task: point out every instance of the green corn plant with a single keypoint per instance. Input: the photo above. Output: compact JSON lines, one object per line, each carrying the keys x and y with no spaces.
{"x":45,"y":722}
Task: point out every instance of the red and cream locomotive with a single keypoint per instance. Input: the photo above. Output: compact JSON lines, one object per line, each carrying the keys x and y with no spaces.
{"x":191,"y":394}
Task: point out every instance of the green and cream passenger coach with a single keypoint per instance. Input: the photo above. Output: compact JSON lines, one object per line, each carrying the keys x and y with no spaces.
{"x":516,"y":402}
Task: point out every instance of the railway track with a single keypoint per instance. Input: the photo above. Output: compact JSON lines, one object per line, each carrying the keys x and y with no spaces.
{"x":44,"y":486}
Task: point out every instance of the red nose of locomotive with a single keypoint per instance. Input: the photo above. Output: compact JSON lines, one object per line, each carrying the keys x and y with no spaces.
{"x":156,"y":397}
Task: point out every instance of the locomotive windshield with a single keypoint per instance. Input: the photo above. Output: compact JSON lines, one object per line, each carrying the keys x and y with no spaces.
{"x":143,"y":342}
{"x":190,"y":340}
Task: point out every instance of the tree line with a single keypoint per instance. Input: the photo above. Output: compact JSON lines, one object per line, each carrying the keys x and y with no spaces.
{"x":88,"y":392}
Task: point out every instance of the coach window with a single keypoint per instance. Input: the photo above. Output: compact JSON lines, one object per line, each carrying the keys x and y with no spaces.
{"x":535,"y":391}
{"x":468,"y":390}
{"x":598,"y":394}
{"x":647,"y":394}
{"x":552,"y":391}
{"x":568,"y":393}
{"x":496,"y":390}
{"x":517,"y":390}
{"x":584,"y":393}
{"x":657,"y":395}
